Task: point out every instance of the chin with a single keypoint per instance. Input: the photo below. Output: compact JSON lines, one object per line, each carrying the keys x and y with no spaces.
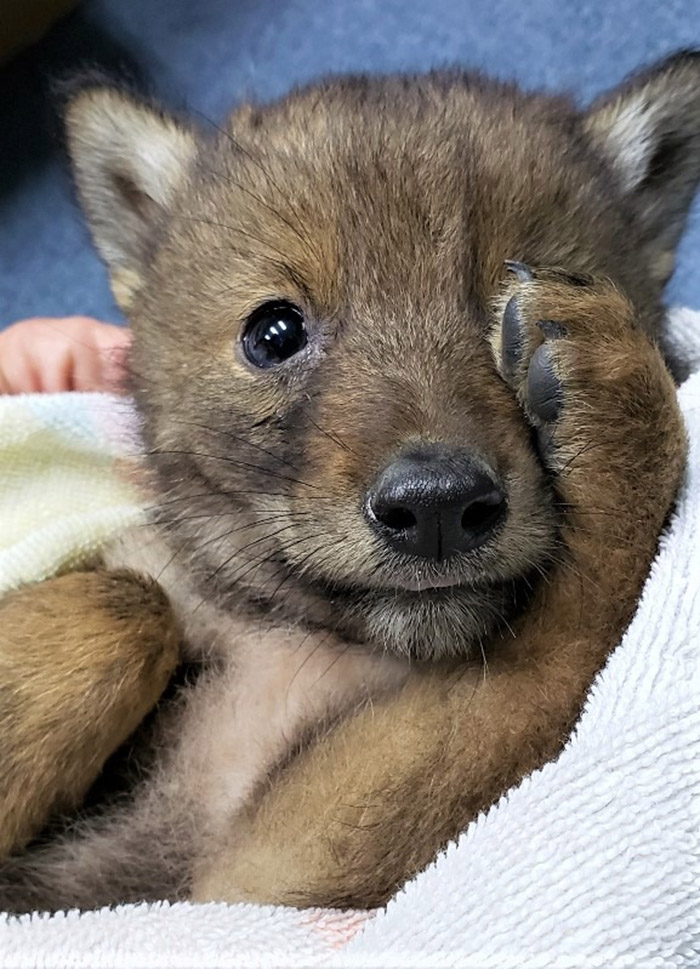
{"x":432,"y":624}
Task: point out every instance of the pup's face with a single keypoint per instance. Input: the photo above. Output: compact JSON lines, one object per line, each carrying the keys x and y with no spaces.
{"x":311,"y":292}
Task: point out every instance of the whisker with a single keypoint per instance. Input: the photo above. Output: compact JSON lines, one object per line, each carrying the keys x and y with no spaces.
{"x":303,"y":237}
{"x":331,"y":436}
{"x":339,"y":655}
{"x":288,"y":572}
{"x":236,"y":230}
{"x":238,"y":146}
{"x":590,"y":446}
{"x":306,"y":659}
{"x":249,"y":565}
{"x":234,"y":494}
{"x":238,"y":438}
{"x":229,"y":460}
{"x":282,"y":515}
{"x":210,"y":541}
{"x":237,"y":573}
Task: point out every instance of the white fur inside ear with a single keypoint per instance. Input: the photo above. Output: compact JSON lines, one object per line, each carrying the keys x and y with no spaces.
{"x":631,"y":132}
{"x":129,"y":160}
{"x":110,"y":131}
{"x":649,"y":130}
{"x":158,"y":154}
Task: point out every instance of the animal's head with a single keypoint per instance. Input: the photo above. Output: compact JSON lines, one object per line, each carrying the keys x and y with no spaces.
{"x":311,"y":291}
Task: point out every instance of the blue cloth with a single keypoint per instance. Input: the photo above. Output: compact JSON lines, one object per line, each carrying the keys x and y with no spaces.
{"x":206,"y":54}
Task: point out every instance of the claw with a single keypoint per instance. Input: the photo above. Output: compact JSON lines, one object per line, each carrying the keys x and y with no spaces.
{"x":520,"y":269}
{"x":552,"y":329}
{"x":577,"y":279}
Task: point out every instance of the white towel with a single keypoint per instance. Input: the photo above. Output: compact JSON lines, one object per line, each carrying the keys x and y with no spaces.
{"x":593,"y":862}
{"x":61,"y":499}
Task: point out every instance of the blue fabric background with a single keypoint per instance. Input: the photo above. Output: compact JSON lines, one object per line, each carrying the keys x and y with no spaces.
{"x":206,"y":54}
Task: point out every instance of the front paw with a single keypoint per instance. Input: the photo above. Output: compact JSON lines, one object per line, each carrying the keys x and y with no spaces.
{"x":588,"y":380}
{"x":598,"y":394}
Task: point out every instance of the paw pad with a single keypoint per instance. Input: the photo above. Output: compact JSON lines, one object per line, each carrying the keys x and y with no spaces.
{"x":528,"y":354}
{"x":545,"y":393}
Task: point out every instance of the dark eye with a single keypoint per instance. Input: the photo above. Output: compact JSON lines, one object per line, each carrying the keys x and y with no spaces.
{"x":273,"y":333}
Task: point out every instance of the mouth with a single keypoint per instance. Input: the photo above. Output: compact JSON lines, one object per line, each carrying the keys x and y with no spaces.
{"x":426,"y":576}
{"x":413,"y":581}
{"x":423,"y":583}
{"x":423,"y":614}
{"x":427,"y":618}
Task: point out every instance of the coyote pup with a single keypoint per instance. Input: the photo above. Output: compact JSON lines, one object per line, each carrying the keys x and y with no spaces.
{"x":411,"y":439}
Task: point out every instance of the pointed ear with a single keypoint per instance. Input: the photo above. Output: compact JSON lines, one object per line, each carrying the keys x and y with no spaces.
{"x":649,"y":128}
{"x":128,"y":161}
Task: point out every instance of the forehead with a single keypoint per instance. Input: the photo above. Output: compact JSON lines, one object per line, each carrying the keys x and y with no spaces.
{"x":404,"y":188}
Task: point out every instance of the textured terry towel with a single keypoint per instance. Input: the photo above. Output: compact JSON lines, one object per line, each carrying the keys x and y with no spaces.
{"x":591,"y":863}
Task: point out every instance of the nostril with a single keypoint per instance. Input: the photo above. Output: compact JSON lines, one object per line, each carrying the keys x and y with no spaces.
{"x":397,"y":519}
{"x":483,"y":514}
{"x":435,"y":502}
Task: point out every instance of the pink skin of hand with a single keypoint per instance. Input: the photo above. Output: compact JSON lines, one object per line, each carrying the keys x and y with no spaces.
{"x":46,"y":355}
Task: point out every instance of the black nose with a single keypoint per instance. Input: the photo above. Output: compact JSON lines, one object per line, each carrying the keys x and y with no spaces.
{"x":435,"y":502}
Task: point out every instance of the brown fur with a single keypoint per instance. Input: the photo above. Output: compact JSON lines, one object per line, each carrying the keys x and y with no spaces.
{"x":384,"y":208}
{"x":83,"y":658}
{"x":340,"y":828}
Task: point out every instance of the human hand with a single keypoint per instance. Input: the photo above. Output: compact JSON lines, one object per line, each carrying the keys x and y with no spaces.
{"x":49,"y":355}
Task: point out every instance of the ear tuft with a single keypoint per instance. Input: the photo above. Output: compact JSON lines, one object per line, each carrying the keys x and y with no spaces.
{"x":649,"y":129}
{"x":129,"y":161}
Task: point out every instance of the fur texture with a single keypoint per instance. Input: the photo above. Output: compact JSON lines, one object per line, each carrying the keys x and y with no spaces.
{"x":355,"y":706}
{"x":68,"y":701}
